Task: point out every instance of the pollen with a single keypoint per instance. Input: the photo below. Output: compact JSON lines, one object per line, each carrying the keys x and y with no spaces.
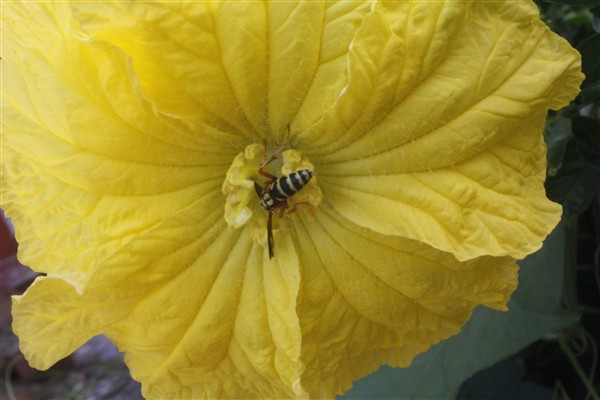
{"x":242,"y":203}
{"x":239,"y":183}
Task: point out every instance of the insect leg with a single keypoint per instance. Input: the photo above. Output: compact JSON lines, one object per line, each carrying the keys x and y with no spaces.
{"x":264,"y":173}
{"x":282,"y":209}
{"x":270,"y":240}
{"x":277,"y":152}
{"x":292,"y":209}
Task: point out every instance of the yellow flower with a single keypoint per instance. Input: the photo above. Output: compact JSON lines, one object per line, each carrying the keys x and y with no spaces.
{"x":133,"y":134}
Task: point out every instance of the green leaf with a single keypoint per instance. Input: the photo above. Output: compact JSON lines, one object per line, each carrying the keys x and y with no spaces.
{"x":575,"y":184}
{"x":573,"y":2}
{"x":591,"y":93}
{"x":557,"y":135}
{"x":587,"y":135}
{"x":590,"y":59}
{"x":503,"y":380}
{"x":487,"y":338}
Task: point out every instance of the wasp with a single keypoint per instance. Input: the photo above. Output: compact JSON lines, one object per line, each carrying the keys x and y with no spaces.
{"x":276,"y":191}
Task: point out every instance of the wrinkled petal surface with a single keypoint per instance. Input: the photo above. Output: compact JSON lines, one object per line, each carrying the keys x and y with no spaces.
{"x":422,"y":120}
{"x":382,"y":95}
{"x":436,"y":133}
{"x":306,"y":324}
{"x":91,"y":169}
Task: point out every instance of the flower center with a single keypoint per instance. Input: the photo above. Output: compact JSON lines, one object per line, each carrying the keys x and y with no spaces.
{"x":261,"y":187}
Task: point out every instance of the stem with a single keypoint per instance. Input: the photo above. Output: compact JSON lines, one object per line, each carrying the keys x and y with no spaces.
{"x":7,"y":376}
{"x":564,"y":345}
{"x":570,"y":273}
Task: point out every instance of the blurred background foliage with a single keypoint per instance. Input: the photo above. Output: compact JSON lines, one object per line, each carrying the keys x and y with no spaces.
{"x":545,"y":347}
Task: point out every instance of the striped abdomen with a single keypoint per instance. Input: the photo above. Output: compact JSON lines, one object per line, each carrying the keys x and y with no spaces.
{"x":283,"y":188}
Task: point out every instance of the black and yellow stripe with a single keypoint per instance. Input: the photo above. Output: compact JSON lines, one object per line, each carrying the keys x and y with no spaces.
{"x":283,"y":188}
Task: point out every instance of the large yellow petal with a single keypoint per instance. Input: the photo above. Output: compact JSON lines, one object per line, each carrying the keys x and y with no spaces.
{"x":215,"y":319}
{"x":251,"y":67}
{"x":425,"y":72}
{"x":225,"y":328}
{"x":437,"y":134}
{"x":218,"y":319}
{"x":494,"y":203}
{"x":190,"y":61}
{"x":52,"y":320}
{"x":87,"y":161}
{"x":112,"y":174}
{"x":368,"y":299}
{"x":314,"y":41}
